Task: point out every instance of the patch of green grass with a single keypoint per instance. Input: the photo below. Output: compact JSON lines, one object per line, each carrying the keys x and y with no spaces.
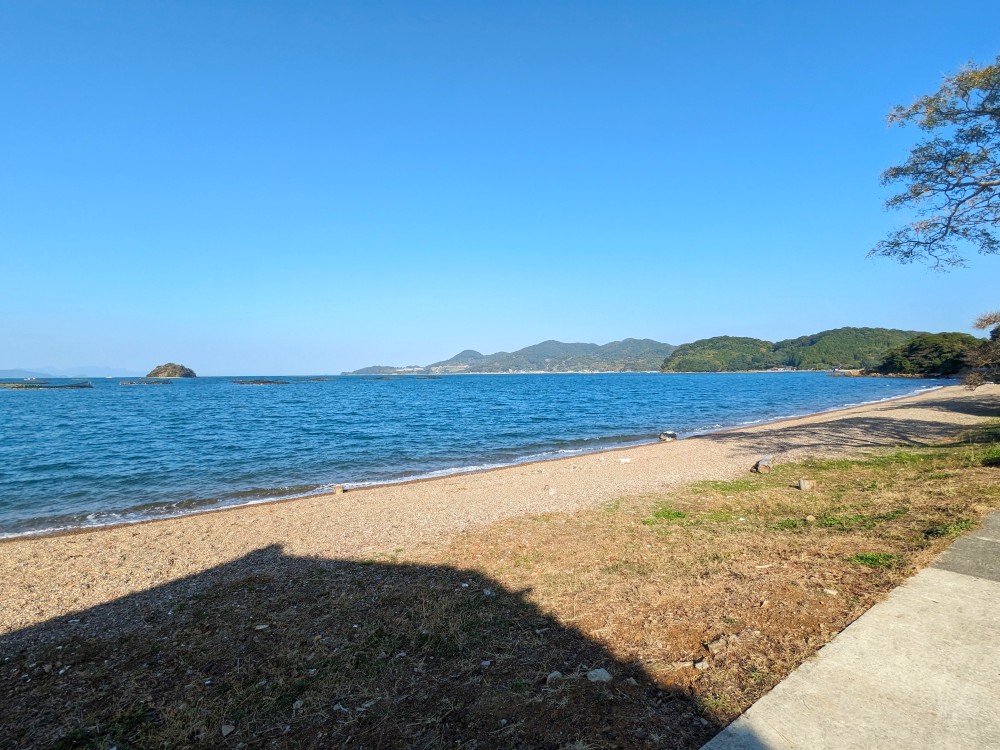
{"x":717,"y":704}
{"x":830,"y":464}
{"x":900,"y":458}
{"x":991,"y":457}
{"x":940,"y":475}
{"x":988,"y":433}
{"x":520,"y":686}
{"x":665,"y":513}
{"x":858,"y":521}
{"x":757,"y":675}
{"x":669,"y":514}
{"x":953,"y":529}
{"x":846,"y":523}
{"x":788,"y":524}
{"x":730,"y":486}
{"x":876,"y":560}
{"x":891,"y":515}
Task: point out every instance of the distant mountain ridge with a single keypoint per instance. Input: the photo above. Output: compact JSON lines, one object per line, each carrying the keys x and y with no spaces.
{"x":9,"y":374}
{"x":847,"y":348}
{"x":83,"y":371}
{"x":628,"y":355}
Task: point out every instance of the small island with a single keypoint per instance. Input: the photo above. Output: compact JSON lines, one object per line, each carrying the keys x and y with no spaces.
{"x":171,"y":370}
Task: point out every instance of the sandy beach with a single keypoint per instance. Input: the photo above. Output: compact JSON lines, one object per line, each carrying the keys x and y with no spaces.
{"x":53,"y":577}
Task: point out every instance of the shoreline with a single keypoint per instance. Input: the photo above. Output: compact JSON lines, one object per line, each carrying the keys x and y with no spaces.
{"x":46,"y":578}
{"x":354,"y":487}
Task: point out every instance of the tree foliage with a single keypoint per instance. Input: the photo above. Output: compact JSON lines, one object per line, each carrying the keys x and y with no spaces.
{"x":849,"y":348}
{"x":985,"y":359}
{"x":930,"y":354}
{"x":951,"y":179}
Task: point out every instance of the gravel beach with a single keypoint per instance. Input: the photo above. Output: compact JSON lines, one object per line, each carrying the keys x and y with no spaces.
{"x":43,"y":578}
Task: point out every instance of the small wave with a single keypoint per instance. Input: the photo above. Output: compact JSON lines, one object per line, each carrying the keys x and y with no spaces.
{"x":42,"y":525}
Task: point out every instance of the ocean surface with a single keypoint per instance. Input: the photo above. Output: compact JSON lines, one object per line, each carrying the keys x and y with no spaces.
{"x":114,"y":453}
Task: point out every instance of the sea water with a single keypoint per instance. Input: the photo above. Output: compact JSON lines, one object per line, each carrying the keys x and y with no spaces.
{"x":115,"y":453}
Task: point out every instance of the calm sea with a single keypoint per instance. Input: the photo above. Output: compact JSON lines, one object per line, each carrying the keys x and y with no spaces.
{"x":113,"y":453}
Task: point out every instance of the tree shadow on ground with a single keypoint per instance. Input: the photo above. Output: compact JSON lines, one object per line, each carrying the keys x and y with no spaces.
{"x":846,"y":432}
{"x":981,"y":405}
{"x":275,"y":651}
{"x":869,"y":431}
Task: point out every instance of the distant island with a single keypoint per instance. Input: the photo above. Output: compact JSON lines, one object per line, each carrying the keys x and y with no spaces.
{"x":848,"y":348}
{"x":630,"y":355}
{"x":171,"y":370}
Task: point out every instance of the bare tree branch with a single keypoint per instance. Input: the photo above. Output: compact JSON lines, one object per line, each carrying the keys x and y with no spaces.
{"x":952,"y":180}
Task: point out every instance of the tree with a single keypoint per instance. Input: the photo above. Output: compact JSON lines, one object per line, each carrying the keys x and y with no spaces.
{"x":952,"y":179}
{"x":986,"y":357}
{"x":930,"y":354}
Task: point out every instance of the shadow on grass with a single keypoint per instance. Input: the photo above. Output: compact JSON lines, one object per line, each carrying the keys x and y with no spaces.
{"x":277,"y":651}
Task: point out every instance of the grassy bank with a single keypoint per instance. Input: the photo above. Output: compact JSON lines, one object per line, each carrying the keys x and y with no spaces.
{"x":695,"y":603}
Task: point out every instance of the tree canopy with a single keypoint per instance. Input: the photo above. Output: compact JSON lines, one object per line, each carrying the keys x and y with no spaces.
{"x":951,"y":179}
{"x":930,"y":354}
{"x":850,"y":348}
{"x":986,"y":357}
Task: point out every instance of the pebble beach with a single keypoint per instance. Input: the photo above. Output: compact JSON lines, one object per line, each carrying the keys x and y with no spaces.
{"x":45,"y":578}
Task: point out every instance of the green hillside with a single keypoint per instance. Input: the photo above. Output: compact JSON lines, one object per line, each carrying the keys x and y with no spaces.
{"x":628,"y":355}
{"x":722,"y":354}
{"x":847,"y":348}
{"x":929,"y":354}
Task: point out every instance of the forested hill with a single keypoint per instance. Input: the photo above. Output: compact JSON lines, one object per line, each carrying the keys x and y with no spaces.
{"x":630,"y":355}
{"x":847,"y":348}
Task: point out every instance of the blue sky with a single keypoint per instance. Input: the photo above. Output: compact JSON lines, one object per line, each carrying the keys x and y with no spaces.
{"x":308,"y":187}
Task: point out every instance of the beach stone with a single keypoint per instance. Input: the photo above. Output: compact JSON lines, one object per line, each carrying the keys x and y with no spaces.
{"x":682,"y":664}
{"x":553,"y":677}
{"x":807,"y":485}
{"x":718,"y":645}
{"x":227,"y":729}
{"x":668,"y":436}
{"x":763,"y":465}
{"x":810,"y":518}
{"x":701,"y":664}
{"x":599,"y":675}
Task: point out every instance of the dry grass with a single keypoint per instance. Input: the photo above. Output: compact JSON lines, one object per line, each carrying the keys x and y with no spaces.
{"x":697,"y":602}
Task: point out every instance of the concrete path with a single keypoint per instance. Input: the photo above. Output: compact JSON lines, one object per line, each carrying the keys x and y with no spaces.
{"x":919,"y":670}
